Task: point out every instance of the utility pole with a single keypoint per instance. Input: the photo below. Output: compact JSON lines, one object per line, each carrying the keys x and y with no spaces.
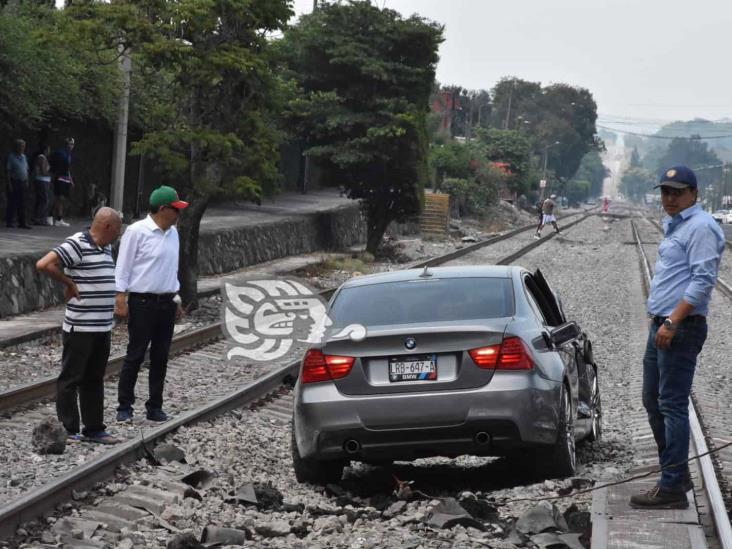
{"x":315,"y":5}
{"x":508,"y":110}
{"x":117,"y":192}
{"x":543,"y":172}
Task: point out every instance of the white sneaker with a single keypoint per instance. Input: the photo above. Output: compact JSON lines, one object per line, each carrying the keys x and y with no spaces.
{"x":49,"y":220}
{"x":61,"y":223}
{"x":537,"y":236}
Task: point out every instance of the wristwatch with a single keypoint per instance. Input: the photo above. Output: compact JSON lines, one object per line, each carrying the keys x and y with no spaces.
{"x":668,"y":323}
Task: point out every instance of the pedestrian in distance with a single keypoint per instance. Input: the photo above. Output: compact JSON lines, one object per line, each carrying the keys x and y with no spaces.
{"x":605,"y":205}
{"x":678,"y":303}
{"x":62,"y":180}
{"x":42,"y":185}
{"x":83,"y":264}
{"x":147,"y":286}
{"x":540,"y":213}
{"x":548,"y":215}
{"x":16,"y":172}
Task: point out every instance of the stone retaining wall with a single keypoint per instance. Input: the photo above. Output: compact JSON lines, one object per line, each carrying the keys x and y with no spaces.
{"x":23,"y":290}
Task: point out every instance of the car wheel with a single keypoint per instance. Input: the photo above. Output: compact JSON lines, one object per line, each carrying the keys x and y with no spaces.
{"x":314,"y":471}
{"x":596,"y":404}
{"x":563,"y":460}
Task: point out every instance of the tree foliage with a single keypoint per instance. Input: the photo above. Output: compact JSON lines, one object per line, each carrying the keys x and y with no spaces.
{"x":365,"y":76}
{"x":593,"y":172}
{"x":204,"y":90}
{"x":558,"y":112}
{"x":695,"y":154}
{"x":636,"y":182}
{"x":50,"y":72}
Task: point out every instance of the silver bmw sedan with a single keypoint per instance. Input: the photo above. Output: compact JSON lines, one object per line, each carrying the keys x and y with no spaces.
{"x":445,"y":361}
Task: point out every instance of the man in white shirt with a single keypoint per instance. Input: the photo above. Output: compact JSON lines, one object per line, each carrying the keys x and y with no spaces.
{"x":147,"y":286}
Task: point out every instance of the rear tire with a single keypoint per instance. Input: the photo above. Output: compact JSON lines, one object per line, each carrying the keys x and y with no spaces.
{"x":314,"y":471}
{"x":563,"y":458}
{"x":596,"y":411}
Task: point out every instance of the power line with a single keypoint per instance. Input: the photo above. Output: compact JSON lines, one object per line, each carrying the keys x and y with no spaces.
{"x":700,"y":137}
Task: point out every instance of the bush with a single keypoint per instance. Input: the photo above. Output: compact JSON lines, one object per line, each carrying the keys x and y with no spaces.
{"x":471,"y":196}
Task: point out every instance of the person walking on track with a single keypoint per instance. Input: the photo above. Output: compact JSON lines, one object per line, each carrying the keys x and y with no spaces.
{"x":678,"y":303}
{"x":548,"y":215}
{"x":147,"y":286}
{"x":83,"y":264}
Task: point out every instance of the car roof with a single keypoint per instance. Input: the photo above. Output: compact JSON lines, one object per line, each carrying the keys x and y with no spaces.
{"x":471,"y":271}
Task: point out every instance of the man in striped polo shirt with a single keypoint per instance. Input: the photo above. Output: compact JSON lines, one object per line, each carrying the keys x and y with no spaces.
{"x":83,"y":264}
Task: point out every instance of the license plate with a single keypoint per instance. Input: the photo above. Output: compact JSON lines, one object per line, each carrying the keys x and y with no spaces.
{"x":413,"y":368}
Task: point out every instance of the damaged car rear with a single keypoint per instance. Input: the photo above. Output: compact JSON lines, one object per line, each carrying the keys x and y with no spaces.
{"x":452,"y":361}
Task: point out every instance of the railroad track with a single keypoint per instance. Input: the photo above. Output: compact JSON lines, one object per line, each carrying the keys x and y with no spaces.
{"x":44,"y":498}
{"x":706,"y":430}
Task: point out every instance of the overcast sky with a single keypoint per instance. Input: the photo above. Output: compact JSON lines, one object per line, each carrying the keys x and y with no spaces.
{"x":655,"y":60}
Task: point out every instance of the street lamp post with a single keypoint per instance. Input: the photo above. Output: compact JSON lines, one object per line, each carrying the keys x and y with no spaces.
{"x":546,"y":157}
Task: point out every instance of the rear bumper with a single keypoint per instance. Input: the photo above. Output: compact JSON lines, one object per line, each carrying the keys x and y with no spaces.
{"x":516,"y":410}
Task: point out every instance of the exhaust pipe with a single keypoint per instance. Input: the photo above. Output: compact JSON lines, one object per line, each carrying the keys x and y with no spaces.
{"x":482,"y":438}
{"x":352,"y":446}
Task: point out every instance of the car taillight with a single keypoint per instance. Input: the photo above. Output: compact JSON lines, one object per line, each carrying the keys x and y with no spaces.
{"x":319,"y":367}
{"x":485,"y":357}
{"x":512,"y":354}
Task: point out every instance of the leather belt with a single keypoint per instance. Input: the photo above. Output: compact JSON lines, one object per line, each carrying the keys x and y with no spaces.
{"x":151,"y":296}
{"x":692,"y":319}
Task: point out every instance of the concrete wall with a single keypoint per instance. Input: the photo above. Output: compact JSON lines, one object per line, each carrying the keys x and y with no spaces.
{"x":23,"y":290}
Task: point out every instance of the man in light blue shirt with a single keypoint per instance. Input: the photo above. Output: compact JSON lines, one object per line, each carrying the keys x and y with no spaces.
{"x":16,"y":169}
{"x":678,"y":303}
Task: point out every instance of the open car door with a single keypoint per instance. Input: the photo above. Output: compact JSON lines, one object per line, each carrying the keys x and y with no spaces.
{"x":550,"y":303}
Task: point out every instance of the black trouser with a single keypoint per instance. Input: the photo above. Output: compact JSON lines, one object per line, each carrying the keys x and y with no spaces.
{"x":16,"y":201}
{"x":83,"y":363}
{"x":151,"y":320}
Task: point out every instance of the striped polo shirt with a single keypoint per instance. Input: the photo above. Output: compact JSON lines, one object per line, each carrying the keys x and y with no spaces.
{"x":92,"y":269}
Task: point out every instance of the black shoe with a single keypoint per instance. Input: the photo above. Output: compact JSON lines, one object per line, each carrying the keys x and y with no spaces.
{"x":124,"y":416}
{"x":658,"y":498}
{"x":157,"y":415}
{"x":687,"y":484}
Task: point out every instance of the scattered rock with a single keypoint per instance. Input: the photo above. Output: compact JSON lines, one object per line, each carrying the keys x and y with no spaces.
{"x":395,"y":509}
{"x":549,"y":540}
{"x":213,"y":534}
{"x":274,"y":529}
{"x":269,"y":497}
{"x":166,"y":453}
{"x":328,"y":525}
{"x":184,"y":541}
{"x":200,"y":479}
{"x":449,"y":513}
{"x":478,"y":508}
{"x":49,"y":436}
{"x":542,"y":517}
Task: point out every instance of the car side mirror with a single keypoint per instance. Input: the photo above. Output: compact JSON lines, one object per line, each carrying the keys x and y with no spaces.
{"x":565,"y":333}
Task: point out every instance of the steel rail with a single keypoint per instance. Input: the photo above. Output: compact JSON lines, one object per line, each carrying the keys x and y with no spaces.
{"x":710,"y":482}
{"x":45,"y":388}
{"x":43,"y":499}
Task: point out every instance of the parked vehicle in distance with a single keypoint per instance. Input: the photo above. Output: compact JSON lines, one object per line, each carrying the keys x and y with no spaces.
{"x":728,"y":217}
{"x":721,"y":216}
{"x":591,"y":202}
{"x":456,"y":360}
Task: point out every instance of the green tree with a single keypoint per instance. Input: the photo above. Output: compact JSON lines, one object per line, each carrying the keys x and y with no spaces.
{"x":593,"y":172}
{"x":510,"y":147}
{"x":559,"y":112}
{"x":365,"y":76}
{"x":207,"y":113}
{"x":636,"y":182}
{"x":49,"y":71}
{"x":697,"y":155}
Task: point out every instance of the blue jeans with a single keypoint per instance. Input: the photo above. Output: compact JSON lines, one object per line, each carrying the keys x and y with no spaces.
{"x":667,"y":378}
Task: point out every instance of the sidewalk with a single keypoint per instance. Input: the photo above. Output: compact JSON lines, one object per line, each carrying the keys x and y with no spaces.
{"x":40,"y":239}
{"x":13,"y":242}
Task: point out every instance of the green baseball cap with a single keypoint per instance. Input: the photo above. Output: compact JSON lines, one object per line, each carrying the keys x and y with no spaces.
{"x":166,"y":196}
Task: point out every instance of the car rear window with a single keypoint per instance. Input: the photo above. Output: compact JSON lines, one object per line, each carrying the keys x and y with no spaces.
{"x":416,"y":301}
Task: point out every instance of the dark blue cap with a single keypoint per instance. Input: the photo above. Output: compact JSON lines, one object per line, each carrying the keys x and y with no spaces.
{"x":678,"y":177}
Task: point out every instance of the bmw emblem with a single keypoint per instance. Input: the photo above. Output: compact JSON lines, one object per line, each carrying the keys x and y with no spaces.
{"x":410,"y":343}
